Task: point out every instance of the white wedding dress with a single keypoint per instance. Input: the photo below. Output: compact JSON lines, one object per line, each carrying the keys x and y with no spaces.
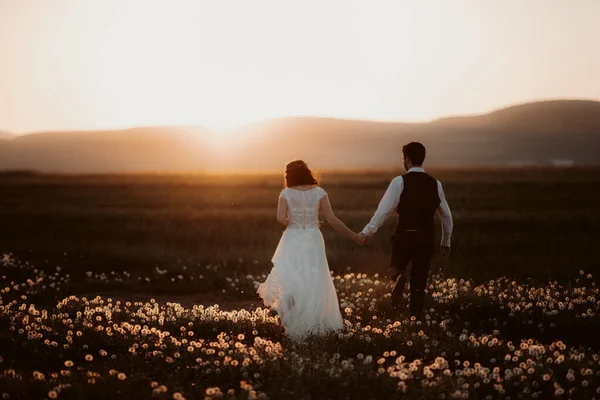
{"x":299,"y":286}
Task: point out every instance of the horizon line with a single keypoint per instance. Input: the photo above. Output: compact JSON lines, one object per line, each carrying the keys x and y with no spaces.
{"x":300,"y":116}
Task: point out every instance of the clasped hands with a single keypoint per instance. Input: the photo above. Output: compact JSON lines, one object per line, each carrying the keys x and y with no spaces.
{"x":362,"y":239}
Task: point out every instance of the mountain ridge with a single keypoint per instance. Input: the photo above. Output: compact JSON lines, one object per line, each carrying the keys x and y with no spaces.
{"x":537,"y":132}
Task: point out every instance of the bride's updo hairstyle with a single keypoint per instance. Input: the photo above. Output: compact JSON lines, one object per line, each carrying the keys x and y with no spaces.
{"x":297,"y":173}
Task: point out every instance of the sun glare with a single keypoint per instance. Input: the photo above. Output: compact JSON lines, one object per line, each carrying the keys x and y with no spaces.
{"x":223,"y":63}
{"x":223,"y":139}
{"x":167,"y":76}
{"x":183,"y":73}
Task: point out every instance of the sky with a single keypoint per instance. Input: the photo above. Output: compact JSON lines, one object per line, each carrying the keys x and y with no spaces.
{"x":99,"y":64}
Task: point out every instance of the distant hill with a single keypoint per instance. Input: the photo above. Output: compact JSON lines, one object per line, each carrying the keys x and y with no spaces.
{"x":563,"y":132}
{"x":130,"y":150}
{"x":5,"y":135}
{"x":541,"y":116}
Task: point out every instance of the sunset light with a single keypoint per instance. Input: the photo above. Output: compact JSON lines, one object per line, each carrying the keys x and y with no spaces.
{"x":84,"y":64}
{"x":299,"y":199}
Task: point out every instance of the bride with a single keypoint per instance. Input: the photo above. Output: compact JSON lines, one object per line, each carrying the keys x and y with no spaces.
{"x":299,"y":287}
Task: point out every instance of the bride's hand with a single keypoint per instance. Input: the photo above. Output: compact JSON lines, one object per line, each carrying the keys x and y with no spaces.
{"x":360,"y":239}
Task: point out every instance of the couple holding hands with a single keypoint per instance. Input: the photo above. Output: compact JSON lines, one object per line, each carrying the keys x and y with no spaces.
{"x":300,"y":288}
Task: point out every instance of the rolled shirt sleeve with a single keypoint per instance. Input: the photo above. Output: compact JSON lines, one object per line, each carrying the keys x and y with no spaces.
{"x":445,"y":215}
{"x":387,"y":205}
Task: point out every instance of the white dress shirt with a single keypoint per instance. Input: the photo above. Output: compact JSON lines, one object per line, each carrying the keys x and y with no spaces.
{"x":390,"y":201}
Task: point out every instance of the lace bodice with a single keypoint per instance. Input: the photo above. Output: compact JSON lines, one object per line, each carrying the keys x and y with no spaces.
{"x":303,"y":207}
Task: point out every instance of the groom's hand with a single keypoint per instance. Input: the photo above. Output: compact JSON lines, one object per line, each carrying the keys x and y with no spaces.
{"x":364,"y":239}
{"x":445,"y":250}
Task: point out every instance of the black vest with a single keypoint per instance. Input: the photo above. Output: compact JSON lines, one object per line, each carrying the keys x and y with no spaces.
{"x":418,"y":203}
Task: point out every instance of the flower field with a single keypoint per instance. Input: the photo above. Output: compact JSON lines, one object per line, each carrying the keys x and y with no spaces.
{"x":498,"y":339}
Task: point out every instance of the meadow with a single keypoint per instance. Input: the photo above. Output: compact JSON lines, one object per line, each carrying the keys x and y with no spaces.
{"x":143,"y":286}
{"x":516,"y":222}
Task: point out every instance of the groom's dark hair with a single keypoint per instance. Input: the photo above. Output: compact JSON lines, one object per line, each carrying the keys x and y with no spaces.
{"x":415,"y":152}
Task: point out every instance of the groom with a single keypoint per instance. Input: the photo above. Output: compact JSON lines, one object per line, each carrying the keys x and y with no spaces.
{"x":416,"y":197}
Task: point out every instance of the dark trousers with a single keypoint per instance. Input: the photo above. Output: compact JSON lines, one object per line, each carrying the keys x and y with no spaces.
{"x":417,"y":249}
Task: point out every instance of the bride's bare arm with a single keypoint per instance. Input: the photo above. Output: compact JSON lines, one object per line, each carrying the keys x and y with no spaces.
{"x":335,"y":222}
{"x":282,"y":209}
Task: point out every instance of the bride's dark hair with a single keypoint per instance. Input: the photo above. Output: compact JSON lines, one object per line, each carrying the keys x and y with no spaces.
{"x":297,"y":173}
